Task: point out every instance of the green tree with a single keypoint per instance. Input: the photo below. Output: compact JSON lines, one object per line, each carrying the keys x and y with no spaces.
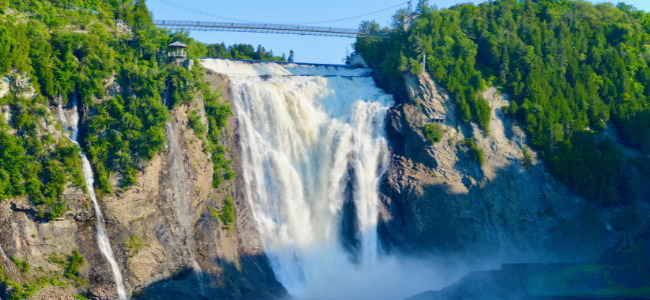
{"x":570,"y":67}
{"x":433,"y":132}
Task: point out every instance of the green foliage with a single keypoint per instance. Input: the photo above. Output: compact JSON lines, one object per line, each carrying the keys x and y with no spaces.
{"x":33,"y":283}
{"x":227,"y":213}
{"x":474,"y":150}
{"x":134,"y":244}
{"x":179,"y":88}
{"x":45,"y":281}
{"x":196,"y":124}
{"x":636,"y":129}
{"x":217,"y":114}
{"x":243,"y":51}
{"x":433,"y":132}
{"x":450,"y":58}
{"x":63,"y":64}
{"x":13,"y":164}
{"x":68,"y":50}
{"x":18,"y":291}
{"x":70,"y":265}
{"x":26,"y":167}
{"x":74,"y":262}
{"x":569,"y":66}
{"x":595,"y":171}
{"x":55,"y":259}
{"x":528,"y":160}
{"x":22,"y":265}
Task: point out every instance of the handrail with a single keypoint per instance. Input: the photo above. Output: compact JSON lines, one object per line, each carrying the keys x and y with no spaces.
{"x":268,"y":28}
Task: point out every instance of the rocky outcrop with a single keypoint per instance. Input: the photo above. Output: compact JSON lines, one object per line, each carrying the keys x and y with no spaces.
{"x":622,"y":273}
{"x":228,"y":267}
{"x":166,"y":241}
{"x":482,"y":285}
{"x":437,"y":199}
{"x":36,"y":250}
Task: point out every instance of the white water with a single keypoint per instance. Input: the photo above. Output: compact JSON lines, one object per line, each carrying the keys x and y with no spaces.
{"x":4,"y":255}
{"x":181,"y":199}
{"x":72,"y":125}
{"x":302,"y":129}
{"x":235,"y":67}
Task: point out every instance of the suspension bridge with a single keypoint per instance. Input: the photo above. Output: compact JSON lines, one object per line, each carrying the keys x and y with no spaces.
{"x":268,"y":28}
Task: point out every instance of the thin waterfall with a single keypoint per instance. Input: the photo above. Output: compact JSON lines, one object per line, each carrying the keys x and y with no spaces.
{"x":4,"y":255}
{"x":313,"y":147}
{"x":10,"y":267}
{"x":72,"y":126}
{"x":181,"y":196}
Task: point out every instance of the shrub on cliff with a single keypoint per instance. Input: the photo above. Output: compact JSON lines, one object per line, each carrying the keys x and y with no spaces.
{"x":570,"y":67}
{"x":433,"y":132}
{"x":474,"y":150}
{"x":72,"y":50}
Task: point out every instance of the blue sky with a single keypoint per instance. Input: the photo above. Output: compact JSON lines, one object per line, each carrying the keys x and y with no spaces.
{"x":307,"y":48}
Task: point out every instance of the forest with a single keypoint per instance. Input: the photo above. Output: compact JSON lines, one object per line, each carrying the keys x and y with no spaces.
{"x":72,"y":51}
{"x":572,"y":69}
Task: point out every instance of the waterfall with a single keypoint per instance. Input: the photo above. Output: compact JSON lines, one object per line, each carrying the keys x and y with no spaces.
{"x":102,"y":238}
{"x":181,"y":195}
{"x":313,"y":149}
{"x":181,"y":199}
{"x":72,"y":125}
{"x":4,"y":255}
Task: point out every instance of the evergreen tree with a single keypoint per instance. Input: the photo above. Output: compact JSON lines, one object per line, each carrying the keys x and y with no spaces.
{"x":572,"y":69}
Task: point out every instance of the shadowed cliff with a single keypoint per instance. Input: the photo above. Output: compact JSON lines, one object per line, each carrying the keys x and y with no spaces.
{"x":438,"y":199}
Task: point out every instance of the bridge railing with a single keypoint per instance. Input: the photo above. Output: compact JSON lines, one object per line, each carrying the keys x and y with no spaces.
{"x":270,"y":28}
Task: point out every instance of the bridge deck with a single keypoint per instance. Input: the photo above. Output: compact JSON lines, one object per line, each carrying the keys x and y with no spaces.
{"x":267,"y":28}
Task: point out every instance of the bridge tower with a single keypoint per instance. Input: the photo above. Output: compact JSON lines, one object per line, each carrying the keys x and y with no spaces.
{"x":410,"y":16}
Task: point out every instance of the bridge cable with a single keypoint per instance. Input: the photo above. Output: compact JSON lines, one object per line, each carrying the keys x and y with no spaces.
{"x":206,"y":14}
{"x":251,"y":21}
{"x":354,"y":17}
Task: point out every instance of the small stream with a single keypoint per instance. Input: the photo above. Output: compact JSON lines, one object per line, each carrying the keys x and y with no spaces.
{"x":72,"y":126}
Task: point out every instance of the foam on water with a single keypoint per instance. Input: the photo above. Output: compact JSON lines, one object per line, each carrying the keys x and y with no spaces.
{"x":71,"y":125}
{"x":308,"y":133}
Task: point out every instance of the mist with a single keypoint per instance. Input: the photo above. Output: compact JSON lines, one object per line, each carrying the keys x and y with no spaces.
{"x":391,"y":278}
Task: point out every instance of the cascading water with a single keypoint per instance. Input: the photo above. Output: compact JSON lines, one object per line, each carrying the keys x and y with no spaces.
{"x":3,"y":254}
{"x":313,"y":149}
{"x":181,"y":195}
{"x":72,"y":125}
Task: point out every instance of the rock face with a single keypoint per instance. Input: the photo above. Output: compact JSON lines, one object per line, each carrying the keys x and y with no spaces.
{"x":24,"y":238}
{"x":484,"y":285}
{"x":622,"y":273}
{"x":437,"y":199}
{"x":165,"y":240}
{"x":228,"y":266}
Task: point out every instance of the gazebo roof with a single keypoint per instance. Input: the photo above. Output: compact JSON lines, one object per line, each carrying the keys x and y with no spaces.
{"x":177,"y":44}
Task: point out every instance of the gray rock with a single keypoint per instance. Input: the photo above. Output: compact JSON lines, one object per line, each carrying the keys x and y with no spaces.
{"x":156,"y":235}
{"x":436,"y":199}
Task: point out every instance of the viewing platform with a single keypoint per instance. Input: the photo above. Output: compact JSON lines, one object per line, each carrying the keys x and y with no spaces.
{"x":439,"y":118}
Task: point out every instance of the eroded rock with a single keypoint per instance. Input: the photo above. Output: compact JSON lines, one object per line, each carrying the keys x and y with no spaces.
{"x":437,"y":199}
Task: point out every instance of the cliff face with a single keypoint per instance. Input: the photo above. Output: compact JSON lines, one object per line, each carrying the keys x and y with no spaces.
{"x":437,"y":199}
{"x":231,"y":267}
{"x":166,"y":241}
